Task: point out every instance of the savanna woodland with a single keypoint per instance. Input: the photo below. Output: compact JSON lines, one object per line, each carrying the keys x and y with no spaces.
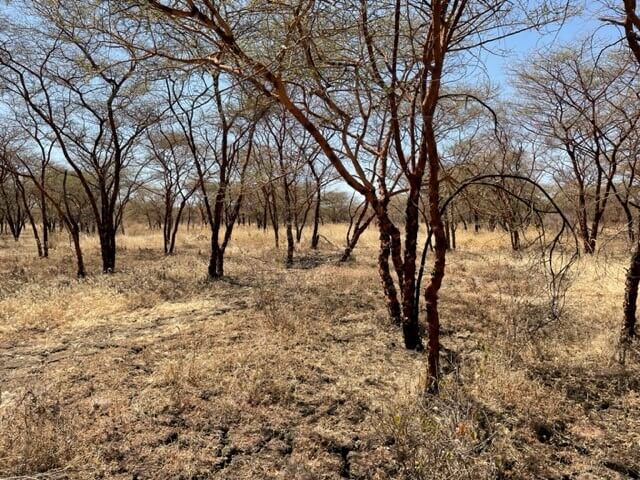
{"x":313,"y":239}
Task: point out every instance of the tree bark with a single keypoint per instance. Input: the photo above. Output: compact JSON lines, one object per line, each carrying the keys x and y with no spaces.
{"x":74,"y":231}
{"x":315,"y":236}
{"x":410,"y":324}
{"x":107,"y":235}
{"x":32,"y":220}
{"x":390,"y":293}
{"x":629,"y":305}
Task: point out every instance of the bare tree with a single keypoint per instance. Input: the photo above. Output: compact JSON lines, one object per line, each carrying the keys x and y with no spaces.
{"x":631,"y":26}
{"x":171,"y":174}
{"x":221,"y":151}
{"x":12,"y":196}
{"x":398,"y":59}
{"x":91,"y":99}
{"x":360,"y":218}
{"x":573,"y":104}
{"x":54,"y":187}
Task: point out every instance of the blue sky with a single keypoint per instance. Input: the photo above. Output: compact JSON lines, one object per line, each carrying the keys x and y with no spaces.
{"x":520,"y":46}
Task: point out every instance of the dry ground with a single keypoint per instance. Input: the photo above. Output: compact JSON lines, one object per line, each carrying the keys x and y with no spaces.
{"x":154,"y":373}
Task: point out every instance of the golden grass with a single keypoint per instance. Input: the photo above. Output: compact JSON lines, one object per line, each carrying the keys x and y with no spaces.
{"x":154,"y":372}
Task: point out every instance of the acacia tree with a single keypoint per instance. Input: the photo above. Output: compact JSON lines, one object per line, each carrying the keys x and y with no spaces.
{"x":360,"y":217}
{"x":632,"y":32}
{"x":26,"y":133}
{"x":264,"y":175}
{"x":346,"y":70}
{"x":91,"y":100}
{"x":573,"y":105}
{"x":20,"y":160}
{"x":218,"y":125}
{"x":13,"y":206}
{"x":631,"y":25}
{"x":171,"y":171}
{"x":322,"y":176}
{"x":286,"y":148}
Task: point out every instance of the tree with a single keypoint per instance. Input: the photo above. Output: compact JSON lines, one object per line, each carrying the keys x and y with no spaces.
{"x":573,"y":103}
{"x":375,"y":72}
{"x":18,"y":163}
{"x":221,"y":150}
{"x":92,"y":101}
{"x":631,"y":26}
{"x":171,"y":178}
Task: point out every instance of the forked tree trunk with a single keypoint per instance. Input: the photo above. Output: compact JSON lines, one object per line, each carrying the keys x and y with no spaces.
{"x":174,"y":232}
{"x":582,"y":222}
{"x":359,"y":229}
{"x":73,"y":226}
{"x":34,"y":228}
{"x":32,"y":220}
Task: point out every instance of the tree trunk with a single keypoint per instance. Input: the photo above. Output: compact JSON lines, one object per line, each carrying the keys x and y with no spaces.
{"x":410,"y":324}
{"x":167,"y":227}
{"x":629,"y":305}
{"x":74,"y":231}
{"x":216,"y":261}
{"x":216,"y":265}
{"x":32,"y":220}
{"x":174,"y":232}
{"x":437,"y":274}
{"x":447,"y":233}
{"x":108,"y":247}
{"x":290,"y":241}
{"x":315,"y":237}
{"x":288,"y":219}
{"x":390,"y":293}
{"x":353,"y":241}
{"x":453,"y":234}
{"x":630,"y":231}
{"x":515,"y":239}
{"x":36,"y":236}
{"x":45,"y":224}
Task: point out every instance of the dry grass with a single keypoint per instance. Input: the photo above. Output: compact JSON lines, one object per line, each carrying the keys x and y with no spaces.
{"x":154,"y":373}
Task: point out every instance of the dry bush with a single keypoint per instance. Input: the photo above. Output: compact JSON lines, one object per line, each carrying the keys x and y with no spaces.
{"x":276,"y":314}
{"x":38,"y":435}
{"x":442,"y":437}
